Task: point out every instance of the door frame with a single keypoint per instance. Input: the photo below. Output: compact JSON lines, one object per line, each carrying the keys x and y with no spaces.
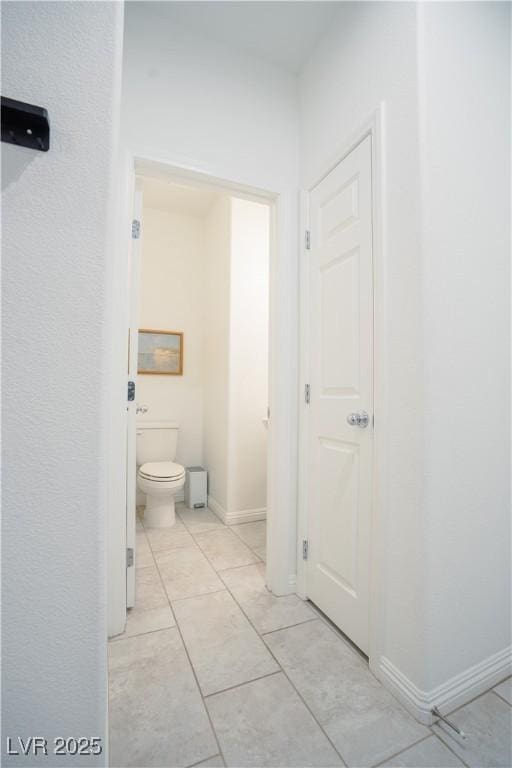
{"x":373,"y":126}
{"x":134,"y":256}
{"x":281,"y":203}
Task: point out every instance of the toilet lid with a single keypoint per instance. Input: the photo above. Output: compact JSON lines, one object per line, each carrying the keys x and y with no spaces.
{"x":162,"y":470}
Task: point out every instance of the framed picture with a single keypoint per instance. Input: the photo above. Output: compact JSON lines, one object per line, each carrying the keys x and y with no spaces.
{"x":160,"y":352}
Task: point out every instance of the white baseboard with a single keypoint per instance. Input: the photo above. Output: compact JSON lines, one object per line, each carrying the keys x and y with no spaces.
{"x":216,"y":507}
{"x":233,"y":518}
{"x":455,"y":692}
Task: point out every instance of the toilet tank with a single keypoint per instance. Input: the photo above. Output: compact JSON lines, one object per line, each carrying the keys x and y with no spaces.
{"x":156,"y":441}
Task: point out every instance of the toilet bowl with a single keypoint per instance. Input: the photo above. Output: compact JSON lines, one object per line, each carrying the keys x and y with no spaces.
{"x":160,"y":481}
{"x":158,"y":477}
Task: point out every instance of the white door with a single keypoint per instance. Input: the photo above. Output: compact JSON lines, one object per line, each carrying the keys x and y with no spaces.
{"x":341,"y":391}
{"x":133,"y":339}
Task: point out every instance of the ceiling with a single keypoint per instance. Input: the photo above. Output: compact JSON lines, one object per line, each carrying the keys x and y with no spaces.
{"x":284,"y":33}
{"x":177,"y":198}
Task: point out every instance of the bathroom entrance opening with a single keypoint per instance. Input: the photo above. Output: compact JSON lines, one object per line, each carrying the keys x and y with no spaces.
{"x":201,"y":259}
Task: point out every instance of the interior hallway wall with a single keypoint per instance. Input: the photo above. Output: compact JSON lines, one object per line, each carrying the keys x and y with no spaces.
{"x":234,"y":116}
{"x":172,"y":294}
{"x":465,"y":86}
{"x":57,"y":246}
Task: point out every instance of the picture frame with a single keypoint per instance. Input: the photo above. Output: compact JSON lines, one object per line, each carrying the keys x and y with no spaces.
{"x":160,"y":353}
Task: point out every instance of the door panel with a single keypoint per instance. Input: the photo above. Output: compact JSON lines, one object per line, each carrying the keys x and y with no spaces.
{"x":341,"y":381}
{"x":340,"y":325}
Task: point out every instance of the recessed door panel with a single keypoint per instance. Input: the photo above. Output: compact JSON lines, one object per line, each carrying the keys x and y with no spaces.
{"x":340,"y":325}
{"x":341,"y":385}
{"x":338,"y":476}
{"x":339,"y":210}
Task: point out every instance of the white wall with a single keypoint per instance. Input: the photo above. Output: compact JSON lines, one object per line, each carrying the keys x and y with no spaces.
{"x":191,"y":101}
{"x":250,"y":239}
{"x":466,"y":135}
{"x":443,"y":71}
{"x":216,"y":108}
{"x":217,"y":247}
{"x":172,"y":290}
{"x":56,"y":248}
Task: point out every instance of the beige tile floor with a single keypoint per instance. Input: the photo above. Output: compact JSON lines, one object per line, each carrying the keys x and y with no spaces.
{"x":214,"y":670}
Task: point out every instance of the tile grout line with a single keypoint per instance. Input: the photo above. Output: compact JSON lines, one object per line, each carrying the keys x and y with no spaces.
{"x":176,"y":626}
{"x":340,"y":635}
{"x":288,"y":626}
{"x":156,"y":551}
{"x":199,"y":594}
{"x":240,"y":685}
{"x":438,"y":735}
{"x":493,"y":690}
{"x":222,"y":526}
{"x":221,"y":753}
{"x":236,"y":567}
{"x":318,"y":616}
{"x":441,"y":732}
{"x":249,"y":523}
{"x":213,"y":527}
{"x":291,"y":683}
{"x":396,"y":754}
{"x":282,"y":670}
{"x":448,"y":747}
{"x":120,"y":638}
{"x":262,"y":635}
{"x":220,"y":570}
{"x":212,"y":757}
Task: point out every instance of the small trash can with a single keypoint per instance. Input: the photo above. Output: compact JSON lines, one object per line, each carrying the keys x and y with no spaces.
{"x":196,"y":487}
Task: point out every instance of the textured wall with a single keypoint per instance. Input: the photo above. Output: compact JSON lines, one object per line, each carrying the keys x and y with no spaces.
{"x":66,"y":57}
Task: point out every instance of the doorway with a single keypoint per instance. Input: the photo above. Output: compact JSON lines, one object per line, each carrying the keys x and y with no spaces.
{"x":339,"y":395}
{"x":221,"y":402}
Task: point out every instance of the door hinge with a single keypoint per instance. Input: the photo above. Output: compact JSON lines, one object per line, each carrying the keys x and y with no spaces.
{"x":305,"y":549}
{"x":307,"y":393}
{"x":308,"y":240}
{"x":129,"y":557}
{"x":131,"y":391}
{"x":135,"y":229}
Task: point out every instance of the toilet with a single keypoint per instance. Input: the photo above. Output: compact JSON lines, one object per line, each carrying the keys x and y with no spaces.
{"x":158,"y":476}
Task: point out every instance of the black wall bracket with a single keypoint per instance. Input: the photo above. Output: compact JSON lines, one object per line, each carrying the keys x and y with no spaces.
{"x":25,"y":125}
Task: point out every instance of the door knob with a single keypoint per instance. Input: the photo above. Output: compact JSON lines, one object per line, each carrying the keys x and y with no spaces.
{"x":358,"y":419}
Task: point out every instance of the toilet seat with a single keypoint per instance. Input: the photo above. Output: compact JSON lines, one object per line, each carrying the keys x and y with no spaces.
{"x":162,"y":471}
